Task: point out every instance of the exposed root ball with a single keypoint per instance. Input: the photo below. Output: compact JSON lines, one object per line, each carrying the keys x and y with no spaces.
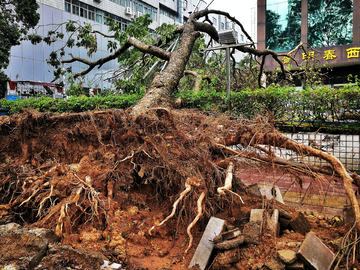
{"x":66,"y":170}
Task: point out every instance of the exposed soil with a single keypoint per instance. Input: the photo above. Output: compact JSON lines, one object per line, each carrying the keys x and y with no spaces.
{"x":100,"y":180}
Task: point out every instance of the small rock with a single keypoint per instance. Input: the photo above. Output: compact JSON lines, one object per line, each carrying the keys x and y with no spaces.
{"x":287,"y":256}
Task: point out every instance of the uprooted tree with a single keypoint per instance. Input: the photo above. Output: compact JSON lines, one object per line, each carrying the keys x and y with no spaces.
{"x":65,"y":170}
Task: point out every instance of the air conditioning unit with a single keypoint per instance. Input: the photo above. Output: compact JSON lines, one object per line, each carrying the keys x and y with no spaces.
{"x":128,"y":11}
{"x":97,"y":1}
{"x":138,"y":14}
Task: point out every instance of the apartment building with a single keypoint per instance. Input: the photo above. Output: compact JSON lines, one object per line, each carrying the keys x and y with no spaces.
{"x":28,"y":62}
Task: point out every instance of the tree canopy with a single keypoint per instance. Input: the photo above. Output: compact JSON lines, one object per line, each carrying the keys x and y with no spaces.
{"x":16,"y":18}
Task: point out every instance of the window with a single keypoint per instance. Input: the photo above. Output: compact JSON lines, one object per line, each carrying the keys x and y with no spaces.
{"x":99,"y":16}
{"x":283,"y":24}
{"x":222,"y":26}
{"x":67,"y":7}
{"x":75,"y":10}
{"x":330,"y":23}
{"x":214,"y":20}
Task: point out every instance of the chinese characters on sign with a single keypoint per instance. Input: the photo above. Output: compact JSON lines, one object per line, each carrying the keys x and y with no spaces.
{"x":327,"y":55}
{"x":353,"y":52}
{"x":286,"y":59}
{"x":308,"y":56}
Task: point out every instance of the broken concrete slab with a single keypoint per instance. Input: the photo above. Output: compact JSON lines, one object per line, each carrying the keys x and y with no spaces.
{"x":272,"y":222}
{"x":315,"y":254}
{"x":300,"y":224}
{"x":287,"y":256}
{"x":252,"y":232}
{"x":204,"y":249}
{"x":267,"y":190}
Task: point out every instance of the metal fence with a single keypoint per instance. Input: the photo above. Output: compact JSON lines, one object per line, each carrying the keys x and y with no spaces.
{"x":345,"y":147}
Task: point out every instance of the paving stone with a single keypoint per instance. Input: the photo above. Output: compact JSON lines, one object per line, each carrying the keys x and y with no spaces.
{"x":287,"y":256}
{"x":300,"y":224}
{"x":204,"y":249}
{"x":315,"y":254}
{"x":251,"y":233}
{"x":257,"y":215}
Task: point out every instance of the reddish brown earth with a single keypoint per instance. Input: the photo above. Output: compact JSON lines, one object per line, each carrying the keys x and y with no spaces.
{"x":101,"y":180}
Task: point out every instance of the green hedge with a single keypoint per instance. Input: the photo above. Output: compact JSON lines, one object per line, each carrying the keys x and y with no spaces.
{"x":310,"y":109}
{"x":73,"y":104}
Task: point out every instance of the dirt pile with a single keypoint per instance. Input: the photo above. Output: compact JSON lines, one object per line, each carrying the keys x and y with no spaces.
{"x":101,"y":180}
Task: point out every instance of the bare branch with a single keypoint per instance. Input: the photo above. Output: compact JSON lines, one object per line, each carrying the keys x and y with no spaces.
{"x":156,"y":51}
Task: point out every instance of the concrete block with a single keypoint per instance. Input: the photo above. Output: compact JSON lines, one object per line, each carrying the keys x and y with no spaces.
{"x":204,"y":249}
{"x":267,"y":190}
{"x":300,"y":224}
{"x":315,"y":254}
{"x":272,"y":222}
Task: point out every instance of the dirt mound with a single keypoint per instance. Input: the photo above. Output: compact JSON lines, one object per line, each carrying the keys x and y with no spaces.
{"x":103,"y":179}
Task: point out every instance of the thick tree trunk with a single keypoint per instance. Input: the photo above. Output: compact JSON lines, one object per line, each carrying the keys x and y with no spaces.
{"x":164,"y":84}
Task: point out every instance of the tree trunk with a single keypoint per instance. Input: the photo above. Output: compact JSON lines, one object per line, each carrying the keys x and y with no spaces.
{"x":164,"y":83}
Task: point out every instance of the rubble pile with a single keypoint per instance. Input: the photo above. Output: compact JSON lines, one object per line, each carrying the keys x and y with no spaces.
{"x":263,"y":243}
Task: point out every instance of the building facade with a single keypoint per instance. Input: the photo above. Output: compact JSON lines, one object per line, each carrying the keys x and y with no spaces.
{"x":28,"y":62}
{"x":328,"y":29}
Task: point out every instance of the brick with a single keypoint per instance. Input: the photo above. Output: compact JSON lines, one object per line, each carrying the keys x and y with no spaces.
{"x":204,"y":249}
{"x":315,"y":254}
{"x":300,"y":224}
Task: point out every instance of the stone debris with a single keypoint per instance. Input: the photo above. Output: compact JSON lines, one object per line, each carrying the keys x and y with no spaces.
{"x":271,"y":220}
{"x":287,"y":256}
{"x":230,"y":244}
{"x":267,"y":190}
{"x":315,"y":254}
{"x":300,"y":224}
{"x":295,"y":266}
{"x":206,"y":245}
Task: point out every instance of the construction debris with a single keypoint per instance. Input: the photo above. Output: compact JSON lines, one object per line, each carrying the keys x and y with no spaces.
{"x":300,"y":224}
{"x":267,"y":190}
{"x":315,"y":254}
{"x":206,"y":245}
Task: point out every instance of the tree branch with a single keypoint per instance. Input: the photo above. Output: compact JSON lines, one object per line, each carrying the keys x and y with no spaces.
{"x":156,"y":51}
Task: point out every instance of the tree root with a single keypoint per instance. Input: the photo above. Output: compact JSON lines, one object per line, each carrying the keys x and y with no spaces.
{"x":228,"y":182}
{"x":199,"y":210}
{"x":191,"y":181}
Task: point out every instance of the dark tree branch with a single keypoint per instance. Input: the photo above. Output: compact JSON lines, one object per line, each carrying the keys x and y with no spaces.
{"x":156,"y":51}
